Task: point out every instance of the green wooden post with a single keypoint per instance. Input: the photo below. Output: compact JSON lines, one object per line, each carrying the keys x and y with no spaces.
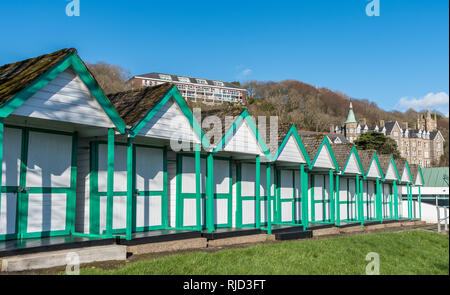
{"x":179,"y":203}
{"x":73,"y":184}
{"x":165,"y":198}
{"x":358,"y":209}
{"x":238,"y":195}
{"x":22,"y":215}
{"x":269,"y":199}
{"x":332,"y":205}
{"x":304,"y":197}
{"x":278,"y":210}
{"x":361,"y":192}
{"x":257,"y":193}
{"x":313,"y":207}
{"x":420,"y":204}
{"x":110,"y":182}
{"x":409,"y":198}
{"x":395,"y":200}
{"x":338,"y":206}
{"x":378,"y":204}
{"x":210,"y":193}
{"x":198,"y":194}
{"x":2,"y":132}
{"x":130,"y":188}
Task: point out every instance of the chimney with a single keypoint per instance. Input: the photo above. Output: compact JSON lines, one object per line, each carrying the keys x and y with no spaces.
{"x":332,"y":128}
{"x":363,"y":122}
{"x":405,"y":125}
{"x":381,"y":124}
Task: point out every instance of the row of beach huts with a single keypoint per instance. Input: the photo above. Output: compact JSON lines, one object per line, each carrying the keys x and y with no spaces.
{"x":76,"y":162}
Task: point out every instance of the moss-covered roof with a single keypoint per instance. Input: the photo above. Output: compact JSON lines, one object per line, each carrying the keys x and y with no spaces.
{"x":133,"y":105}
{"x":312,"y":144}
{"x":400,"y":164}
{"x":17,"y":76}
{"x":366,"y":157}
{"x":341,"y":153}
{"x":384,"y":161}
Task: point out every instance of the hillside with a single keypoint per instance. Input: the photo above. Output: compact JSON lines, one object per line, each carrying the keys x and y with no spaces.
{"x":304,"y":105}
{"x":316,"y":109}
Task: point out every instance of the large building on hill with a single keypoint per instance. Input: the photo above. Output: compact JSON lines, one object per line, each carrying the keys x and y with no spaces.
{"x":423,"y":144}
{"x":195,"y":89}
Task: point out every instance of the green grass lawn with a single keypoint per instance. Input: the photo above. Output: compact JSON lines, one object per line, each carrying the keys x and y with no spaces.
{"x":410,"y":253}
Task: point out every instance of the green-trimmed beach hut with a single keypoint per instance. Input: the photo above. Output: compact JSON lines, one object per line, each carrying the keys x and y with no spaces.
{"x":372,"y":185}
{"x":349,"y":184}
{"x":322,"y":168}
{"x":291,"y":163}
{"x":389,"y":191}
{"x":159,"y":164}
{"x":51,"y":107}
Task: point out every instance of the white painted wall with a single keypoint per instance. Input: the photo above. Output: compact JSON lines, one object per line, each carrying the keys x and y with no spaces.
{"x":49,"y":160}
{"x":374,"y":172}
{"x":243,"y":140}
{"x":324,"y":159}
{"x":66,"y":98}
{"x":170,"y":123}
{"x":390,"y":174}
{"x":352,"y":165}
{"x":291,"y":152}
{"x":429,"y":212}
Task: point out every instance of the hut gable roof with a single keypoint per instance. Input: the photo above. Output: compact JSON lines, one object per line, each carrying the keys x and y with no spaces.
{"x":291,"y":147}
{"x":387,"y":161}
{"x":369,"y":162}
{"x":20,"y":81}
{"x":133,"y":105}
{"x":143,"y":107}
{"x":416,"y":174}
{"x":312,"y":144}
{"x":342,"y":153}
{"x":403,"y":170}
{"x":315,"y":145}
{"x":366,"y":157}
{"x":244,"y":126}
{"x":346,"y":155}
{"x":15,"y":77}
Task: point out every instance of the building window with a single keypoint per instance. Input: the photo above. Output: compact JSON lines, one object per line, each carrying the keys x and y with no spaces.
{"x":218,"y":83}
{"x":165,"y":77}
{"x":184,"y":79}
{"x":201,"y":81}
{"x":414,"y":143}
{"x":396,"y":134}
{"x":426,"y":154}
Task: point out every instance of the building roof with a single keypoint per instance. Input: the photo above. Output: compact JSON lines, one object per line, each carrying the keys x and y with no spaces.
{"x":15,"y":77}
{"x":330,"y":135}
{"x":389,"y":126}
{"x":435,"y":177}
{"x":414,"y":168}
{"x":312,"y":144}
{"x":133,"y":105}
{"x":351,"y":115}
{"x":341,"y":153}
{"x":366,"y":157}
{"x":176,"y":78}
{"x":384,"y":160}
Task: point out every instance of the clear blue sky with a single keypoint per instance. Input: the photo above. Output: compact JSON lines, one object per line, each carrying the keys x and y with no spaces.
{"x":398,"y":59}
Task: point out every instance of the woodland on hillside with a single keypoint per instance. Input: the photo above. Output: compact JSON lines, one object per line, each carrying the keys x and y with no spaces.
{"x":294,"y":102}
